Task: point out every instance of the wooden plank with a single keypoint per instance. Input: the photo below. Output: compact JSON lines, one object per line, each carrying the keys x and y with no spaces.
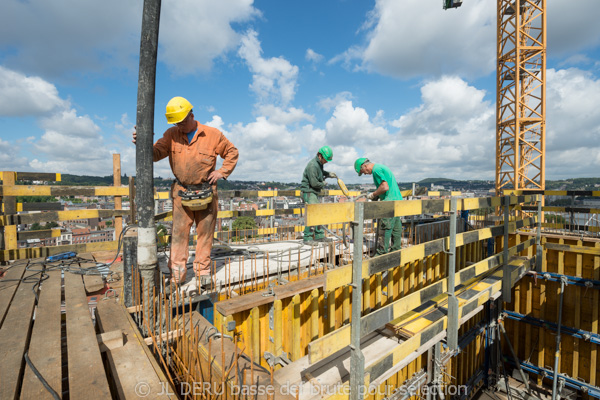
{"x":14,"y":337}
{"x":131,"y":363}
{"x":86,"y":370}
{"x":237,"y":304}
{"x":45,"y":346}
{"x":8,"y":286}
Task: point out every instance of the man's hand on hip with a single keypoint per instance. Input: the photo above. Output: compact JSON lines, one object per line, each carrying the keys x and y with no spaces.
{"x":214,"y":177}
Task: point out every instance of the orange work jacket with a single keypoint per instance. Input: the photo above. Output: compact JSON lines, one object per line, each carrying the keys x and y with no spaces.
{"x":191,"y":163}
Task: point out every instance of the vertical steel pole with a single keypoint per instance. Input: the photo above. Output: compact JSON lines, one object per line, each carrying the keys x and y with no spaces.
{"x":452,"y":300}
{"x":357,"y":360}
{"x":563,"y":281}
{"x":506,"y":286}
{"x":538,"y":237}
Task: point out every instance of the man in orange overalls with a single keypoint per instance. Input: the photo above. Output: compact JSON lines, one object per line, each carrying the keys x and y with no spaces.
{"x":192,"y":149}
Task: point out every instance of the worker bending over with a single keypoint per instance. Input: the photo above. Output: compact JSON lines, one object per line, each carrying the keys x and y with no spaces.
{"x":192,"y":149}
{"x":389,"y":229}
{"x":312,"y":183}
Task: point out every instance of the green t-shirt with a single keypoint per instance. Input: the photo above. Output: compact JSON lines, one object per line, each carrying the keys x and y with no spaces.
{"x":382,"y":173}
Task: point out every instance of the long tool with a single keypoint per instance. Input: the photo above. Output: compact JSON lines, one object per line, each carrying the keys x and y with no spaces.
{"x":343,"y":187}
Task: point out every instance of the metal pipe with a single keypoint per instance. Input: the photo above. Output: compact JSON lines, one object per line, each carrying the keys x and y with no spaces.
{"x":147,"y":258}
{"x":563,"y":282}
{"x":357,"y":360}
{"x":514,"y":356}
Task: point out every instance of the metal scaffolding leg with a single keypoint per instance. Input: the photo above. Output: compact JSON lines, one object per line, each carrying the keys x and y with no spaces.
{"x":357,"y":360}
{"x":452,"y":300}
{"x":506,"y":286}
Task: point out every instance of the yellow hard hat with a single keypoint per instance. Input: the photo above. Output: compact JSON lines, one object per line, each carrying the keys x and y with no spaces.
{"x":177,"y":109}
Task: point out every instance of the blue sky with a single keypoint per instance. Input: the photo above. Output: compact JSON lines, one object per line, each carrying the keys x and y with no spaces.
{"x":402,"y":82}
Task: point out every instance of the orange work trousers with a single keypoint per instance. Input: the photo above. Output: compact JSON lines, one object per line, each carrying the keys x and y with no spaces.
{"x":183,"y":219}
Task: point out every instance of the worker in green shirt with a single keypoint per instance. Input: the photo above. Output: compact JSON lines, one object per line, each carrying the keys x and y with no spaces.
{"x":389,"y":229}
{"x":312,"y":183}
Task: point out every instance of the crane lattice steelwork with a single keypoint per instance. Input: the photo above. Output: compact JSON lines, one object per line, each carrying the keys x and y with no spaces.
{"x":520,"y":93}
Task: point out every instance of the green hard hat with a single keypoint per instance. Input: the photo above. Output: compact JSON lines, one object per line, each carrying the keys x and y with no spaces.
{"x":358,"y":163}
{"x":326,"y":152}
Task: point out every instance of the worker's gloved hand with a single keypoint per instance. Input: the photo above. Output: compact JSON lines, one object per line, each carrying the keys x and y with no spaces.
{"x":371,"y":196}
{"x":332,"y":175}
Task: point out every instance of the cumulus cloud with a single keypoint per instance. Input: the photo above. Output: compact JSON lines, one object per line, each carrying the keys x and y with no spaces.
{"x":193,"y":33}
{"x":26,"y":95}
{"x":95,"y":36}
{"x":412,"y":38}
{"x":76,"y":35}
{"x":451,"y":134}
{"x":573,"y":124}
{"x":350,"y":124}
{"x":415,"y":38}
{"x":273,"y":79}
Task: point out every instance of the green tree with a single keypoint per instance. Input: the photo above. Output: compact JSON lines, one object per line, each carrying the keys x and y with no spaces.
{"x":36,"y":227}
{"x":108,"y":223}
{"x":244,"y":223}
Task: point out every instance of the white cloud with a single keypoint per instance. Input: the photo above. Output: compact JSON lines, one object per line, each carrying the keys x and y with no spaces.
{"x":573,"y":124}
{"x":26,"y":95}
{"x":330,"y":102}
{"x":59,"y":37}
{"x":195,"y":32}
{"x":9,"y":161}
{"x":413,"y":38}
{"x":273,"y":79}
{"x":350,"y":124}
{"x":572,"y":27}
{"x":95,"y":36}
{"x":124,"y":126}
{"x":313,"y":56}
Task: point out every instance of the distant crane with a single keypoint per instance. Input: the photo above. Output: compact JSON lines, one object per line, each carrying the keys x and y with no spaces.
{"x":520,"y":94}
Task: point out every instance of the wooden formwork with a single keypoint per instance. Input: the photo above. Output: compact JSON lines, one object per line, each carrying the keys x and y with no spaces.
{"x":296,"y":314}
{"x":534,"y":339}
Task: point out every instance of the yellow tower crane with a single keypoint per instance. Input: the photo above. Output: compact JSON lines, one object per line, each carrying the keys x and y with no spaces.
{"x":520,"y":94}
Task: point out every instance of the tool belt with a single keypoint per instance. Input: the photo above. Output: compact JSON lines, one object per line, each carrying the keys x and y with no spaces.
{"x":196,"y":197}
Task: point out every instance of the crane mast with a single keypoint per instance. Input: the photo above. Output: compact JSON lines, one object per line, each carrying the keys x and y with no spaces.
{"x":520,"y":93}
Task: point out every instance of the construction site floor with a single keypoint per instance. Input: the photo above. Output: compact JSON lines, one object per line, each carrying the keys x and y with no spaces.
{"x":61,"y":327}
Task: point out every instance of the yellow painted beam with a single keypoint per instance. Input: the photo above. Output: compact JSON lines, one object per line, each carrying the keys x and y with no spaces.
{"x":343,"y":275}
{"x":37,"y":252}
{"x":334,"y":341}
{"x":39,"y":190}
{"x":162,"y":195}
